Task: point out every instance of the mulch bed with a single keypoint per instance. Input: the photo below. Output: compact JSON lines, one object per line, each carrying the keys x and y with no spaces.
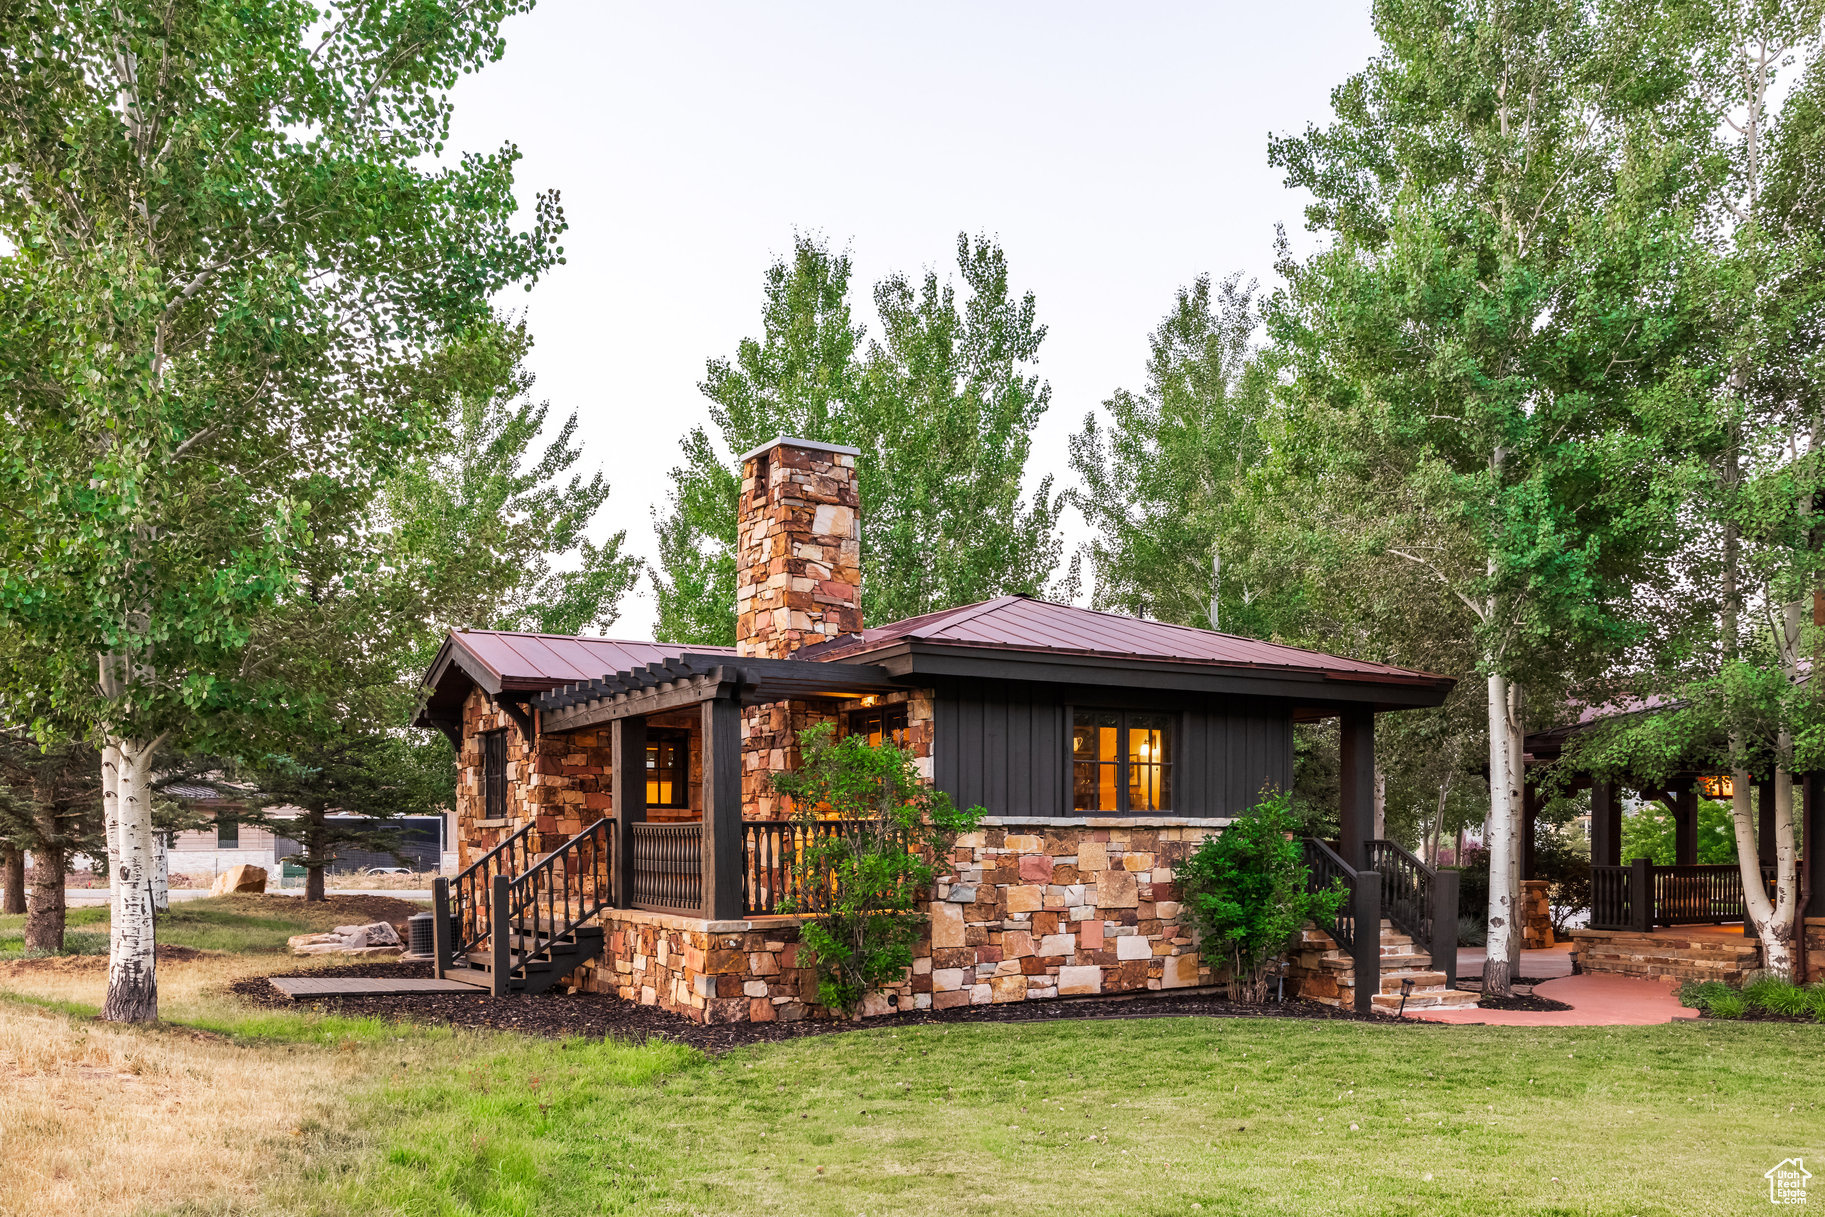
{"x":1521,"y":1002}
{"x":596,"y":1015}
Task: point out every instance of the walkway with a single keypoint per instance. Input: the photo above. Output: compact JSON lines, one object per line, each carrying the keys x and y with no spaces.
{"x":1596,"y":1000}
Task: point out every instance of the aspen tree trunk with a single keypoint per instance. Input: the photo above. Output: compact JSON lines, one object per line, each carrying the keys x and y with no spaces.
{"x":1381,"y":804}
{"x":1504,"y":810}
{"x":161,"y":874}
{"x":12,"y":874}
{"x":110,"y":811}
{"x":132,"y":964}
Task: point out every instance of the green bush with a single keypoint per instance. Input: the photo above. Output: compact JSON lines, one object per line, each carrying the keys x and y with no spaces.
{"x":864,"y":886}
{"x":1698,"y":995}
{"x":1777,"y":996}
{"x":1729,"y":1004}
{"x":1245,"y":892}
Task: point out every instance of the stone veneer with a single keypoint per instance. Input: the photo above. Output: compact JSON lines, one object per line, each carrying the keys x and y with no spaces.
{"x":562,"y":783}
{"x":1536,"y":915}
{"x":1027,"y":911}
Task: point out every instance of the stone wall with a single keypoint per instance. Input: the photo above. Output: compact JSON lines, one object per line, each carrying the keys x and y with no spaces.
{"x":1536,"y":915}
{"x":1026,"y":913}
{"x":562,"y":783}
{"x":1695,"y":953}
{"x":798,"y":550}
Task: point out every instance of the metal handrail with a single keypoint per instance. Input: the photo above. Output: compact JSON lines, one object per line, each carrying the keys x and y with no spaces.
{"x":470,"y":896}
{"x":1420,"y":900}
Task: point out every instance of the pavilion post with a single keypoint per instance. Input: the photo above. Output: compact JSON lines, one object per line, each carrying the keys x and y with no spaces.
{"x":1812,"y":858}
{"x":722,"y":835}
{"x":1764,"y":825}
{"x":1530,"y":817}
{"x":1606,"y":824}
{"x":1641,"y":894}
{"x":627,"y":761}
{"x":1685,"y":823}
{"x":1356,"y":801}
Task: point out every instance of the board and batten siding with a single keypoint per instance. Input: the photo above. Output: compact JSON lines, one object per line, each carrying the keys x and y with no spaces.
{"x":1005,"y":745}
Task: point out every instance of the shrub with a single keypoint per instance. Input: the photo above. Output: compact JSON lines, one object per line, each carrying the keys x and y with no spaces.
{"x":864,"y":885}
{"x":1472,"y":931}
{"x":1777,"y":995}
{"x":1245,"y":892}
{"x":1698,"y":995}
{"x":1729,"y":1004}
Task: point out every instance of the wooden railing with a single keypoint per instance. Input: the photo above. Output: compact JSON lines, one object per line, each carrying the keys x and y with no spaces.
{"x":667,"y":867}
{"x":1641,"y":896}
{"x":467,"y":900}
{"x":548,"y":902}
{"x":1420,"y":900}
{"x":773,"y":862}
{"x":1357,"y":926}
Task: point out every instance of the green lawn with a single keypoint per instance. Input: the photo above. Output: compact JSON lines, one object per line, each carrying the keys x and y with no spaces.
{"x":1134,"y":1117}
{"x":240,"y":924}
{"x":85,"y":933}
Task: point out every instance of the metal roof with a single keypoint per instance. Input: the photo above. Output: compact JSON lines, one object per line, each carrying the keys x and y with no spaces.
{"x":536,"y":662}
{"x":1021,"y":623}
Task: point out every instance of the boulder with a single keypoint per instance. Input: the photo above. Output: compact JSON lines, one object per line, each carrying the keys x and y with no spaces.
{"x":242,"y":878}
{"x":375,"y":938}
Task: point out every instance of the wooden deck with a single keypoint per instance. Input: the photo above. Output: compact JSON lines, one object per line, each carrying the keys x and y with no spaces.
{"x":304,"y":988}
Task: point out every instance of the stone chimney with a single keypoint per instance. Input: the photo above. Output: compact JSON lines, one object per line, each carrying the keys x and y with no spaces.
{"x":798,"y":547}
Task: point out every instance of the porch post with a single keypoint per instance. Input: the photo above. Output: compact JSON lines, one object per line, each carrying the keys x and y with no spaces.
{"x":1641,"y":894}
{"x":722,"y":844}
{"x":1685,"y":823}
{"x":1356,"y":797}
{"x":627,"y":761}
{"x":1813,"y":858}
{"x":1606,"y":824}
{"x":1764,"y":827}
{"x":1530,"y":816}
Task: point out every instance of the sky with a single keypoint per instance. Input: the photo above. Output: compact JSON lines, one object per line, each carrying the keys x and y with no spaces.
{"x":1115,"y":151}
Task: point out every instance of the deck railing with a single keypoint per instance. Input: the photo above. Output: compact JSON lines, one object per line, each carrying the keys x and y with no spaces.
{"x":467,"y":901}
{"x":773,"y":862}
{"x":667,"y":867}
{"x":1642,"y":896}
{"x":547,"y":903}
{"x":1357,"y":926}
{"x":1421,"y":901}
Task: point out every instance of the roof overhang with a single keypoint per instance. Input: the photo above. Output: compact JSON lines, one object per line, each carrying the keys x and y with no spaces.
{"x":693,"y":678}
{"x":1324,"y":693}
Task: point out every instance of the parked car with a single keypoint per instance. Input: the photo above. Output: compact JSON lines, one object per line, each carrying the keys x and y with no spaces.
{"x":387,"y":870}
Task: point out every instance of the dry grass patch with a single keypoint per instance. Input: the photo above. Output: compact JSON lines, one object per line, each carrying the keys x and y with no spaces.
{"x":102,"y":1120}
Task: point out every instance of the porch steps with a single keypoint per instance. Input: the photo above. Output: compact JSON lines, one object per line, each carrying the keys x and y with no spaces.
{"x":1328,"y":974}
{"x":536,"y":963}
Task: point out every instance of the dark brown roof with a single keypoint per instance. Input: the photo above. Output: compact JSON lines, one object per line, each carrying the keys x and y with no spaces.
{"x":1020,"y":623}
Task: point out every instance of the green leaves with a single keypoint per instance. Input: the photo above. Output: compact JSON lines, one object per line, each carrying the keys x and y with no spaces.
{"x":873,"y":831}
{"x":943,"y":407}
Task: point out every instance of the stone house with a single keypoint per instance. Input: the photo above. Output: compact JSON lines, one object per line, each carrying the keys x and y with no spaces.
{"x":1103,"y":748}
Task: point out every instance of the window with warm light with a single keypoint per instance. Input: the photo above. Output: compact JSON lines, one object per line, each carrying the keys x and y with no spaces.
{"x":1121,"y":761}
{"x":879,"y":723}
{"x":668,"y":769}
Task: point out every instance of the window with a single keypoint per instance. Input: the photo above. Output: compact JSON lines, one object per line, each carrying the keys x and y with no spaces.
{"x":1121,"y":761}
{"x":880,"y":722}
{"x":668,"y":769}
{"x":227,"y":834}
{"x":494,"y":775}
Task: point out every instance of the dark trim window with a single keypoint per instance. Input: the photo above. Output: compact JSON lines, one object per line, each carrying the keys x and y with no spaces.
{"x":880,"y":722}
{"x":494,"y":775}
{"x":227,"y":834}
{"x":1121,"y":762}
{"x":668,"y":768}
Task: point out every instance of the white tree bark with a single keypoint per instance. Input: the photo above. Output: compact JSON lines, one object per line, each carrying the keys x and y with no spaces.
{"x":1504,"y":813}
{"x":161,"y":873}
{"x":1381,"y":804}
{"x":110,"y":810}
{"x":132,"y":964}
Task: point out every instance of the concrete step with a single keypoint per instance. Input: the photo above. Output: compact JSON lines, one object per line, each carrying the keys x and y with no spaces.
{"x":1456,"y":999}
{"x":1394,"y":963}
{"x":1422,"y":981}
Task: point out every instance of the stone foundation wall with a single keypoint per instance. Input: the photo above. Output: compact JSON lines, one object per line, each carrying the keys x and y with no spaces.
{"x":1026,"y":913}
{"x":1705,"y":953}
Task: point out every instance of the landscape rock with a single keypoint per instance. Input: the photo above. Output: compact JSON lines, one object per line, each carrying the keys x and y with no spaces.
{"x":241,"y":878}
{"x":375,"y":938}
